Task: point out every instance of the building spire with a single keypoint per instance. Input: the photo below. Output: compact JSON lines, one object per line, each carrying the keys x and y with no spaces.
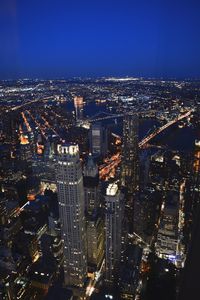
{"x":90,"y":169}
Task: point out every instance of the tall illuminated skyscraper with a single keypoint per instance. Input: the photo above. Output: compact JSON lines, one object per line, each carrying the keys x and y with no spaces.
{"x":78,"y":105}
{"x":98,"y":140}
{"x":91,"y":185}
{"x":167,"y":244}
{"x":130,"y":165}
{"x":71,"y":209}
{"x":94,"y":218}
{"x":25,"y":149}
{"x":189,"y":287}
{"x":130,"y":159}
{"x":196,"y":176}
{"x":114,"y":201}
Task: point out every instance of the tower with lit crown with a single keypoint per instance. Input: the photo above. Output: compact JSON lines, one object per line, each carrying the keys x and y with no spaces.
{"x":71,"y":209}
{"x":114,"y":202}
{"x":78,"y":105}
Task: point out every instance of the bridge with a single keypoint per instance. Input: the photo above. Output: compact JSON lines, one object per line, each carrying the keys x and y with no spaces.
{"x":159,"y":130}
{"x":107,"y":116}
{"x":26,"y":103}
{"x":101,"y":116}
{"x":107,"y":170}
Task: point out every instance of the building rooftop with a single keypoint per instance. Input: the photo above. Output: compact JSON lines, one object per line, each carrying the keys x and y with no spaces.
{"x":112,"y":189}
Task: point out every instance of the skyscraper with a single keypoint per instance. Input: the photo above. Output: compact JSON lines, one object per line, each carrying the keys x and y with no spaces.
{"x":189,"y":287}
{"x":130,"y":159}
{"x":94,"y":218}
{"x":25,"y":148}
{"x":71,"y":209}
{"x":98,"y":140}
{"x":196,"y":176}
{"x":78,"y":105}
{"x":130,"y":165}
{"x":114,"y":201}
{"x":91,"y":185}
{"x":167,"y":245}
{"x":146,"y":212}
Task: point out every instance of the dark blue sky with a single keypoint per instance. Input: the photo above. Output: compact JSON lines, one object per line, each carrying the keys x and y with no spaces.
{"x":64,"y":38}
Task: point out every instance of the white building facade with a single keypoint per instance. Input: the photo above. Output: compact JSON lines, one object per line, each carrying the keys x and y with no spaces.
{"x":70,"y":189}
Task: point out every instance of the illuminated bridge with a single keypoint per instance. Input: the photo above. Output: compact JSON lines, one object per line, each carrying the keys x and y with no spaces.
{"x":104,"y":116}
{"x":101,"y":116}
{"x":107,"y":170}
{"x":26,"y":103}
{"x":159,"y":130}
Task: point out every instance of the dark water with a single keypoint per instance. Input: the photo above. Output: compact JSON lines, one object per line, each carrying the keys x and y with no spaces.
{"x":174,"y":138}
{"x":90,"y":109}
{"x":146,"y":126}
{"x":182,"y":139}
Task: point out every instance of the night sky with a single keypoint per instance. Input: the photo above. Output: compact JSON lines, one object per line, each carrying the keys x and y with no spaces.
{"x":67,"y":38}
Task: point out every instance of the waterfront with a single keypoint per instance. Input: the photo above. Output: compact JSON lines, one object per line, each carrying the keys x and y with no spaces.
{"x":174,"y":138}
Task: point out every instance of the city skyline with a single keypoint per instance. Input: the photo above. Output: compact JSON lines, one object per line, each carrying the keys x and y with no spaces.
{"x":99,"y":149}
{"x":99,"y":188}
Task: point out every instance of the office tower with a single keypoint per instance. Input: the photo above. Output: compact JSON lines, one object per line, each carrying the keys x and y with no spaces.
{"x":146,"y":212}
{"x":10,"y":222}
{"x":114,"y":201}
{"x":25,"y":148}
{"x":129,"y":272}
{"x":48,"y":151}
{"x":71,"y":210}
{"x":98,"y":140}
{"x":157,"y":167}
{"x":78,"y":105}
{"x":94,"y":218}
{"x":167,"y":245}
{"x":95,"y":242}
{"x":54,"y":234}
{"x":144,"y":163}
{"x":9,"y":127}
{"x":189,"y":286}
{"x":130,"y":164}
{"x":130,"y":159}
{"x":192,"y":197}
{"x":196,"y":176}
{"x":91,"y":185}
